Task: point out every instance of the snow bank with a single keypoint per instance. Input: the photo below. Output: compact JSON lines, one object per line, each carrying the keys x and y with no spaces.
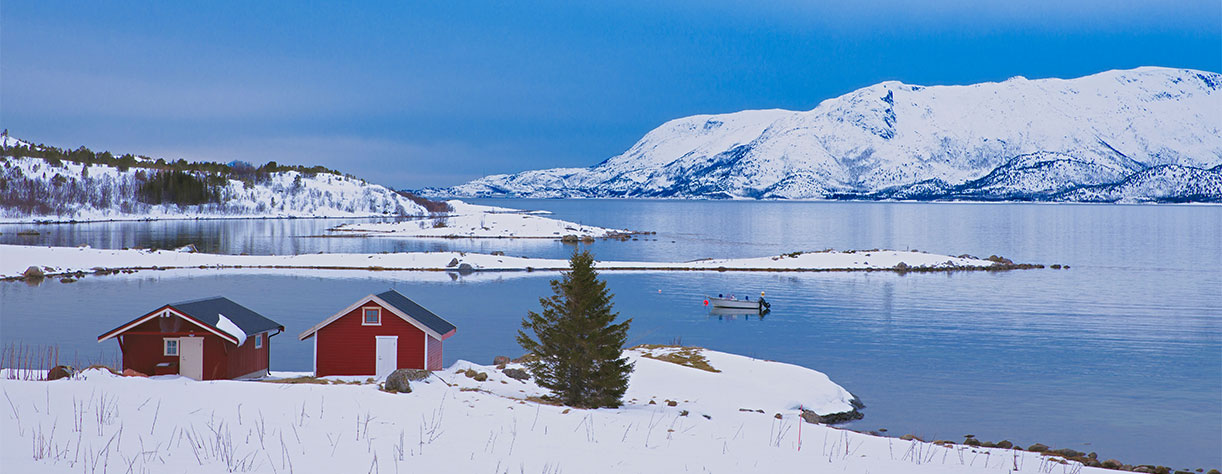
{"x":475,"y":221}
{"x":15,"y":259}
{"x":740,"y":383}
{"x":105,"y":423}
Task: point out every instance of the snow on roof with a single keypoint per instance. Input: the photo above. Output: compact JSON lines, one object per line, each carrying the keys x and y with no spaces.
{"x":224,"y":324}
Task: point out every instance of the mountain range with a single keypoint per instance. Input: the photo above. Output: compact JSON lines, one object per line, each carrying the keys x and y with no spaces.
{"x":1149,"y":134}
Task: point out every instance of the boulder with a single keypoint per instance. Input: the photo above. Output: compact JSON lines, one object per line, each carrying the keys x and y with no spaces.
{"x":1005,"y":444}
{"x":1037,"y":448}
{"x":1111,"y":464}
{"x":453,"y":263}
{"x":465,"y":268}
{"x":34,"y":272}
{"x":500,"y":360}
{"x":811,"y":417}
{"x":907,"y":437}
{"x":1069,"y":453}
{"x":517,"y":374}
{"x":59,"y":372}
{"x":399,"y":380}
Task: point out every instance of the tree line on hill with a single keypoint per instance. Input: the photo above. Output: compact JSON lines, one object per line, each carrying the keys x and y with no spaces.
{"x":165,"y":182}
{"x":238,"y":170}
{"x":54,"y":191}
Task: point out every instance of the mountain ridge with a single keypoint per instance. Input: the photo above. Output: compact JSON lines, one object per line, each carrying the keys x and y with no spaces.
{"x":1093,"y":131}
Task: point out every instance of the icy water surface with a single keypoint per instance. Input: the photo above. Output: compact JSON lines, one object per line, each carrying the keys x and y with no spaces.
{"x":1121,"y":354}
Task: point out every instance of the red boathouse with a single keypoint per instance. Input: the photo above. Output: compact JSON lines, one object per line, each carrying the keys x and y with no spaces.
{"x":206,"y":339}
{"x":376,"y":335}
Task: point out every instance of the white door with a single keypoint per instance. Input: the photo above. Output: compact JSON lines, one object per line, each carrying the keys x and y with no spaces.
{"x":191,"y":357}
{"x":387,"y":355}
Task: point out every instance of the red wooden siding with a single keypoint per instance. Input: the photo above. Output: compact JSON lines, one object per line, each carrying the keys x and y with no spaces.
{"x":245,"y":359}
{"x":346,"y":347}
{"x":434,"y":354}
{"x":222,"y":360}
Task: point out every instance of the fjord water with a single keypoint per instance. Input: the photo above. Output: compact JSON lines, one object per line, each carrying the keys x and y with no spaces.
{"x":1121,"y":354}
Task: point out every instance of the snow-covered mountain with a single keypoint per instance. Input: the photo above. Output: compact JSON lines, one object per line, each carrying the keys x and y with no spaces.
{"x":1017,"y":139}
{"x":36,"y":189}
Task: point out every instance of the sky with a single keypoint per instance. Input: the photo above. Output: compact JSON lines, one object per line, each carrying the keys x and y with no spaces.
{"x":415,"y":94}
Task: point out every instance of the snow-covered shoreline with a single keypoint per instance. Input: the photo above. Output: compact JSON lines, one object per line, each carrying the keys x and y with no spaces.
{"x":16,"y":259}
{"x":745,"y":418}
{"x":476,"y":221}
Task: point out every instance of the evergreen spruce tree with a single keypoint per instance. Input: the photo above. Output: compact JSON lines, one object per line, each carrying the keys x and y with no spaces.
{"x":578,"y":347}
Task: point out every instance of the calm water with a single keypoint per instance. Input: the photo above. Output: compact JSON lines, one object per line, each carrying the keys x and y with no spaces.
{"x":1122,"y":354}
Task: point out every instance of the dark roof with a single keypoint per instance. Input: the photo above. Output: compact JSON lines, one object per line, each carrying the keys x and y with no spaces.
{"x":208,"y":311}
{"x":417,"y":312}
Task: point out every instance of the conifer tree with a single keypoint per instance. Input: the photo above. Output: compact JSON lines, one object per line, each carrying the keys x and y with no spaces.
{"x":577,"y":351}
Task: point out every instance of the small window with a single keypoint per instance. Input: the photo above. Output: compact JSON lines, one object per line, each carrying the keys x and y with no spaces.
{"x":171,"y":347}
{"x":259,"y":341}
{"x":373,"y":317}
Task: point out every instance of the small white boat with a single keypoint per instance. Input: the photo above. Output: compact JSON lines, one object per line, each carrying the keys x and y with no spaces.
{"x":735,"y":303}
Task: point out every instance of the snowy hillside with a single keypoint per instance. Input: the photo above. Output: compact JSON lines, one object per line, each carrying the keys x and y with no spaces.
{"x":36,"y":189}
{"x":1017,"y":139}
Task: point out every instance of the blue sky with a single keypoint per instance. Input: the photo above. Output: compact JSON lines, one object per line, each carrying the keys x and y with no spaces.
{"x":437,"y":93}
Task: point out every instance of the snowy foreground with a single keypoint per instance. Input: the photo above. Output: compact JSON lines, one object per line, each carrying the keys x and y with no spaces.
{"x":742,"y":419}
{"x":475,"y":221}
{"x":15,"y":259}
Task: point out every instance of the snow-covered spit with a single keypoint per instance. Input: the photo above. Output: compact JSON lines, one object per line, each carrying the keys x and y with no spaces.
{"x":745,"y":418}
{"x":1085,"y":139}
{"x":16,"y":259}
{"x":476,"y":221}
{"x":100,"y":192}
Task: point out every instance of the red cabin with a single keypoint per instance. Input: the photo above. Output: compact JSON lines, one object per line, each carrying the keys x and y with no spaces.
{"x":376,"y":335}
{"x":206,"y":339}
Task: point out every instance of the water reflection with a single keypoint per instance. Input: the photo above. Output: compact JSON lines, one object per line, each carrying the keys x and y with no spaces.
{"x":731,"y":314}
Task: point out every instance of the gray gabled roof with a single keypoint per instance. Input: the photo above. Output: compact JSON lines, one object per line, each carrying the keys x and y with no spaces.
{"x":209,"y":310}
{"x":417,"y":312}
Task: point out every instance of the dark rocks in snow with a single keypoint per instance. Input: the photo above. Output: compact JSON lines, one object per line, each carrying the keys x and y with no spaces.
{"x":399,"y":381}
{"x":60,"y":372}
{"x":34,"y":273}
{"x":1037,"y":448}
{"x":516,"y":374}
